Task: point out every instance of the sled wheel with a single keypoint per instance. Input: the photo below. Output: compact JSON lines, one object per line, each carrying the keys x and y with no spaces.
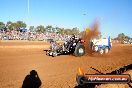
{"x":106,"y":50}
{"x":101,"y":51}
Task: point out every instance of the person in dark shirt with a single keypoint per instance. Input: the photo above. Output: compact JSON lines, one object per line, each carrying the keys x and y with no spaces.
{"x":32,"y":80}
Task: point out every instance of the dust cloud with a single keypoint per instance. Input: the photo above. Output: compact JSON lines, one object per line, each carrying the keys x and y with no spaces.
{"x":90,"y":33}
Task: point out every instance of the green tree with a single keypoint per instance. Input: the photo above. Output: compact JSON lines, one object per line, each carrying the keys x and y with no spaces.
{"x":127,"y":38}
{"x":53,"y":29}
{"x":31,"y":28}
{"x":14,"y":26}
{"x":49,"y":28}
{"x":40,"y":28}
{"x":2,"y":25}
{"x":57,"y":28}
{"x":68,"y":31}
{"x":9,"y":25}
{"x":21,"y":24}
{"x":60,"y":30}
{"x":75,"y":31}
{"x":121,"y":37}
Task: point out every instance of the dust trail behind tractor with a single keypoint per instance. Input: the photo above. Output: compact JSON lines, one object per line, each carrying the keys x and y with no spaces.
{"x":90,"y":33}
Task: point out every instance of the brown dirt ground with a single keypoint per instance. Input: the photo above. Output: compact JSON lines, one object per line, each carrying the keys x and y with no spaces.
{"x":117,"y":85}
{"x":57,"y":72}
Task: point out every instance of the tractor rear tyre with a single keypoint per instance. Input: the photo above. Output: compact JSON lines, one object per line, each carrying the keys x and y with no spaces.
{"x":79,"y":50}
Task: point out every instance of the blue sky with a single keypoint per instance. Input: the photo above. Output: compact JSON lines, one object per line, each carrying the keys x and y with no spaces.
{"x":115,"y":16}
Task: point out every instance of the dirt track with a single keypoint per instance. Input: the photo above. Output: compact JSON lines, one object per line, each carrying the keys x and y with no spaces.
{"x":57,"y":72}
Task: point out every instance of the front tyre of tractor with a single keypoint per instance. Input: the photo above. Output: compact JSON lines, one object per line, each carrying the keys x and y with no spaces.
{"x":79,"y":50}
{"x":54,"y":54}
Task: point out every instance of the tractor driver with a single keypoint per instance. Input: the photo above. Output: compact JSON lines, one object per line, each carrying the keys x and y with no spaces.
{"x":69,"y":41}
{"x":73,"y":38}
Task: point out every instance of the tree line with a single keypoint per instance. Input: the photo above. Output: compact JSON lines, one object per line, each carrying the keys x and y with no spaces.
{"x":9,"y":26}
{"x":12,"y":25}
{"x":122,"y":37}
{"x":49,"y":28}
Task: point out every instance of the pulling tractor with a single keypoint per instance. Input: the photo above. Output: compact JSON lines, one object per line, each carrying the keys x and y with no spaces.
{"x":76,"y":47}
